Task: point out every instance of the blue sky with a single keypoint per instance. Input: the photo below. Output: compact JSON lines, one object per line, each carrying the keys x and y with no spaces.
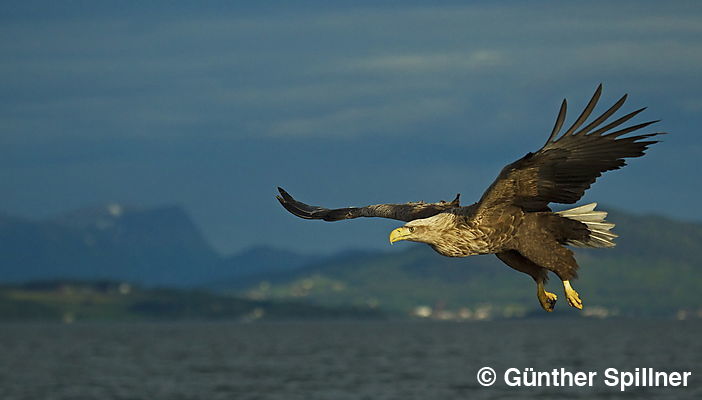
{"x":212,"y":107}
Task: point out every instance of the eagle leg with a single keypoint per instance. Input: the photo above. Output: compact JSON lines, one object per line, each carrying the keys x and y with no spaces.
{"x":517,"y":261}
{"x":547,"y":299}
{"x":572,"y":296}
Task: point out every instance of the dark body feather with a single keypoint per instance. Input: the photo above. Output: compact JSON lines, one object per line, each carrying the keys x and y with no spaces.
{"x":512,"y":218}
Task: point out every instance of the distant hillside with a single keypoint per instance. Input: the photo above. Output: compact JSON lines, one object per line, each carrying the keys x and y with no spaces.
{"x":654,"y":270}
{"x":260,"y":260}
{"x":70,"y":301}
{"x":158,"y":246}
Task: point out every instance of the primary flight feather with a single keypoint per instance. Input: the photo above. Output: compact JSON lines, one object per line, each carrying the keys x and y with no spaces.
{"x":512,"y":219}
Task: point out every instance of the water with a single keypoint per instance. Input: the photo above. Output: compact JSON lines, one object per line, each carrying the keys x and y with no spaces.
{"x":335,"y":360}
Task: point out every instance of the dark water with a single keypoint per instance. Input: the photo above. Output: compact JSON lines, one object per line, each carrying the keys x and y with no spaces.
{"x":336,"y":360}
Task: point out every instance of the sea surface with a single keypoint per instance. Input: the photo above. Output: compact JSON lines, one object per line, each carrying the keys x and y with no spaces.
{"x":338,"y":360}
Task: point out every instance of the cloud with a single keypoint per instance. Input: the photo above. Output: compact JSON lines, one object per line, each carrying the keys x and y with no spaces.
{"x":327,"y":72}
{"x":428,"y":62}
{"x":395,"y":118}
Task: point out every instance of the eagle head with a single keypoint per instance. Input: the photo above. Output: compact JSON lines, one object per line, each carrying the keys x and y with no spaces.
{"x":446,"y":233}
{"x":425,"y":230}
{"x":406,"y":233}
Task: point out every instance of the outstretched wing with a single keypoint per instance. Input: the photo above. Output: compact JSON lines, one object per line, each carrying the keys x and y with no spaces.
{"x":566,"y":166}
{"x":402,"y":212}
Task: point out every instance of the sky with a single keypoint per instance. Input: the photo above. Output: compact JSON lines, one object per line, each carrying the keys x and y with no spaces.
{"x":212,"y":106}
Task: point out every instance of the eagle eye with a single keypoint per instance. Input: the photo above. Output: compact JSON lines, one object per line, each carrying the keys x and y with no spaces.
{"x":411,"y":229}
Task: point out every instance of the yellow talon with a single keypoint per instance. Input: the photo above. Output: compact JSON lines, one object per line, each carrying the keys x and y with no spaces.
{"x":547,"y":299}
{"x":572,"y":296}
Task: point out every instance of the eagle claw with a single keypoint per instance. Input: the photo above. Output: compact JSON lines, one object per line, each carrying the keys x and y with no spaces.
{"x":548,"y":300}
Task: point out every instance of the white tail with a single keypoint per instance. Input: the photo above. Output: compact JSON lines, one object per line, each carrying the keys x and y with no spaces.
{"x":600,"y":236}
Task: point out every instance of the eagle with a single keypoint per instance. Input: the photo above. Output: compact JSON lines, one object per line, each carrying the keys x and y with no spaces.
{"x":513,"y":219}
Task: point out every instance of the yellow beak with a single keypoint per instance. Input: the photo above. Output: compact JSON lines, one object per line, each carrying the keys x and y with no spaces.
{"x":398,"y":234}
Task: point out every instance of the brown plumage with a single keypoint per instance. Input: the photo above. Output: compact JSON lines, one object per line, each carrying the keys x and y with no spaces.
{"x":512,"y":218}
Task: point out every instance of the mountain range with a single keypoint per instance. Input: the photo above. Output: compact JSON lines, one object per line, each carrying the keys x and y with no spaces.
{"x":653,"y":270}
{"x":158,"y":246}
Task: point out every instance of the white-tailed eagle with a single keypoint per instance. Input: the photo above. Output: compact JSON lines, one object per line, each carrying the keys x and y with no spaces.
{"x":512,"y":219}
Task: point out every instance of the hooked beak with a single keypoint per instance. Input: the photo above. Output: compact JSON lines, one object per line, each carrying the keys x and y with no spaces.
{"x":401,"y":233}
